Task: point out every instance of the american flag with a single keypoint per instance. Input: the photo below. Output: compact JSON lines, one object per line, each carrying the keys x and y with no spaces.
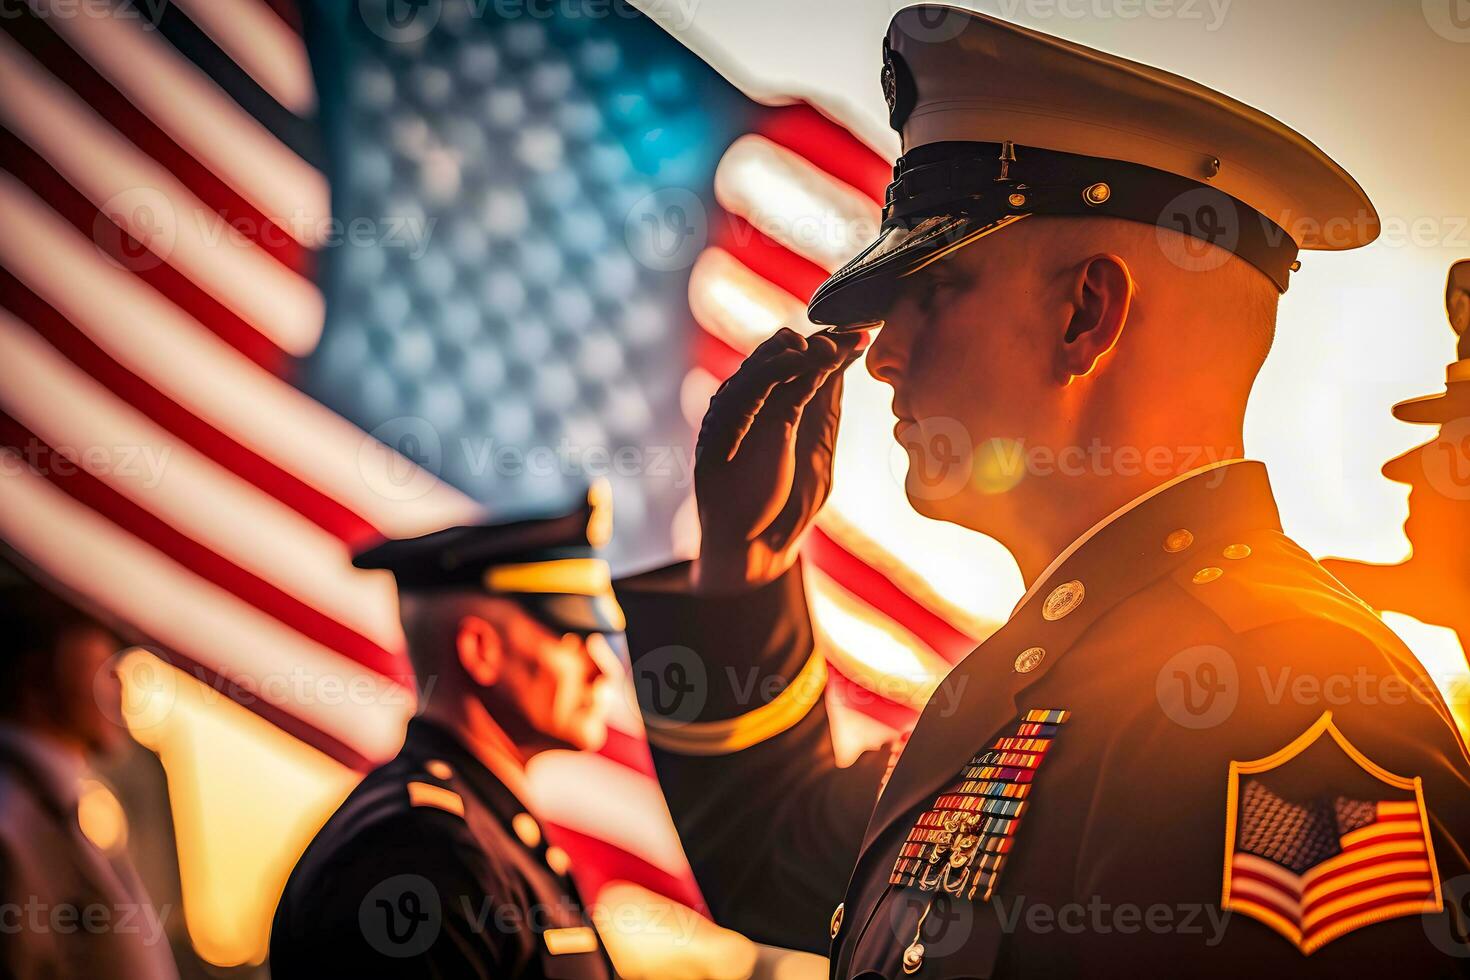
{"x":1316,"y":871}
{"x":173,"y":446}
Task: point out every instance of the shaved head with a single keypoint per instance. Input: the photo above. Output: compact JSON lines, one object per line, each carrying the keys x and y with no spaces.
{"x":1173,"y":272}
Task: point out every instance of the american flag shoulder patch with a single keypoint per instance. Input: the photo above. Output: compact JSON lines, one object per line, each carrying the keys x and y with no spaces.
{"x":1316,"y":867}
{"x":960,"y":843}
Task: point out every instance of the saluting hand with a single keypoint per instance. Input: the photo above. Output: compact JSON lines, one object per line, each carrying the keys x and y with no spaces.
{"x":763,"y":464}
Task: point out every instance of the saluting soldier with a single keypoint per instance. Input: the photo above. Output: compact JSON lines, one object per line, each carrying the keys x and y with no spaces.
{"x":1433,"y":585}
{"x":435,"y":865}
{"x":1190,"y":751}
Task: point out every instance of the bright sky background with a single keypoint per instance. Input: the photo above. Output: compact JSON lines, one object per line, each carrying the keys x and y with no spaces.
{"x":1373,"y":82}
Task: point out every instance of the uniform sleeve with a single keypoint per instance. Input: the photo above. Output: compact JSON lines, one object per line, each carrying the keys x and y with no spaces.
{"x":412,"y":898}
{"x":732,"y":690}
{"x":1390,"y":743}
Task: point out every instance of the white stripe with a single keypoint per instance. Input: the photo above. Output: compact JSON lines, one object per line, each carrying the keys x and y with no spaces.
{"x":630,"y":813}
{"x":1269,"y":894}
{"x":792,"y":201}
{"x":127,"y":184}
{"x":188,"y":106}
{"x":95,"y":557}
{"x":873,"y":650}
{"x":156,"y":340}
{"x":66,"y":407}
{"x":268,"y":48}
{"x":1270,"y":869}
{"x":738,"y":306}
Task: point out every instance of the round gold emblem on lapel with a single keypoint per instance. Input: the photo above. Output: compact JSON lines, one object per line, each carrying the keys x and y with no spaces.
{"x":1063,"y":599}
{"x":1178,"y":540}
{"x":1207,"y":575}
{"x":1029,"y":659}
{"x":837,"y":919}
{"x":439,"y":769}
{"x":1235,"y":552}
{"x":527,"y":829}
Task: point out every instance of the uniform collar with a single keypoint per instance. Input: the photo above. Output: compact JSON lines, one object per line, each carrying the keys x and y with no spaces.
{"x":427,"y":741}
{"x":1177,"y":524}
{"x":1087,"y":535}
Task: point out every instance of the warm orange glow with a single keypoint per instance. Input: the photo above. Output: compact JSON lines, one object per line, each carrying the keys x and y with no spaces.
{"x":246,"y":798}
{"x":101,"y":816}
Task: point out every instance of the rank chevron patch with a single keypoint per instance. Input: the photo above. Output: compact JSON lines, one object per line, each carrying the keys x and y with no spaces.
{"x":1315,"y":869}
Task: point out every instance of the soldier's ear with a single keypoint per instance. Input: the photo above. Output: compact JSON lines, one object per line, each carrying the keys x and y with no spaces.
{"x":1101,"y":296}
{"x":481,"y":650}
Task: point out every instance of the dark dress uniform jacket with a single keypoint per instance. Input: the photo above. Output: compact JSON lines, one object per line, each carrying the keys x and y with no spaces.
{"x":421,"y":873}
{"x":1216,"y":690}
{"x":67,"y":909}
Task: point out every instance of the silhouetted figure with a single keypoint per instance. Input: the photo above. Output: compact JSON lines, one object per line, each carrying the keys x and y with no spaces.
{"x":68,"y":908}
{"x":1433,"y":585}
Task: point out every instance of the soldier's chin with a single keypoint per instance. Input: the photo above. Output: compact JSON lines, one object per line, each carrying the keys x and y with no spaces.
{"x":936,"y":503}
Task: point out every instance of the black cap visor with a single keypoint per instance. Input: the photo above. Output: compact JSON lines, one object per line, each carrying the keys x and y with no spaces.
{"x":581,"y":614}
{"x":860,"y":293}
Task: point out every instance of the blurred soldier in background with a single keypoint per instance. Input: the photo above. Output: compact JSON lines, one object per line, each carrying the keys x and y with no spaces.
{"x":435,"y":864}
{"x":70,"y":909}
{"x":1433,"y":585}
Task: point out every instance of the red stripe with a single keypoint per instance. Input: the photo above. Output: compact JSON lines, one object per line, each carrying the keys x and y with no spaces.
{"x":1415,"y":835}
{"x":628,"y":751}
{"x":1356,"y":910}
{"x":768,"y":258}
{"x":1275,"y":905}
{"x":853,"y":696}
{"x":33,"y":171}
{"x":1239,"y":871}
{"x":306,"y":500}
{"x":72,"y":69}
{"x":1360,"y":886}
{"x":199,"y":558}
{"x":880,"y":592}
{"x":807,"y":133}
{"x":716,"y":356}
{"x":1367,"y":863}
{"x":595,"y":862}
{"x":288,"y":12}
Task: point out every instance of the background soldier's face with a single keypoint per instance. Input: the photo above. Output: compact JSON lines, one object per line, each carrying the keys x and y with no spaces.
{"x":552,"y":688}
{"x":88,"y":692}
{"x":1438,"y":476}
{"x":967,"y":348}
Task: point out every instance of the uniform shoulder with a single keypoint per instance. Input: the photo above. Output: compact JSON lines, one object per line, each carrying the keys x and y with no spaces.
{"x":1264,"y":579}
{"x":397,"y":812}
{"x":1299,"y":636}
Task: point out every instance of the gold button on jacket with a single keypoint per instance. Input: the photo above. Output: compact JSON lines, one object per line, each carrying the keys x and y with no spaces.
{"x":1164,"y":683}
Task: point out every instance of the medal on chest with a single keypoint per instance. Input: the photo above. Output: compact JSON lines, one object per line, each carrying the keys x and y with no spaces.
{"x":959,"y":844}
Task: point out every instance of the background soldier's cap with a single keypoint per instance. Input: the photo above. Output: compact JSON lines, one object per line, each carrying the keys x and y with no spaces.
{"x":550,"y":565}
{"x":1454,"y":402}
{"x":999,"y":123}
